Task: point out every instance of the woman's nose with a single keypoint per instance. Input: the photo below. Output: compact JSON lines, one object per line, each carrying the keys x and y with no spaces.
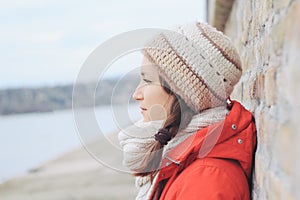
{"x":138,"y":93}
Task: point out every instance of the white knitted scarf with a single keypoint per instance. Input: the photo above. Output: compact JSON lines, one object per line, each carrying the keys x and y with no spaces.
{"x":136,"y":140}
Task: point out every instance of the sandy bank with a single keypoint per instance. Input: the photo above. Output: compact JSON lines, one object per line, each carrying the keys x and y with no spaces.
{"x":76,"y":175}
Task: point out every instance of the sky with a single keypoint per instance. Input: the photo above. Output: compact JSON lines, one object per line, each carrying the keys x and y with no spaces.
{"x":46,"y":42}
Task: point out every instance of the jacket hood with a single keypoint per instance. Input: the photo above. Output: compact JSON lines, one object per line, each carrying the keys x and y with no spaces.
{"x":233,"y":138}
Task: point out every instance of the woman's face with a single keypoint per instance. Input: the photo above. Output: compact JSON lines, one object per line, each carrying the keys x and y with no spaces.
{"x":154,"y":101}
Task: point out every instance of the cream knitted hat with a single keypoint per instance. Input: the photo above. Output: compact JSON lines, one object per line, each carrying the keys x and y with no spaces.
{"x":198,"y":62}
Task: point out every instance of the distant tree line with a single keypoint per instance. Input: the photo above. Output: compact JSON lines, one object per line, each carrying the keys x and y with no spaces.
{"x":47,"y":99}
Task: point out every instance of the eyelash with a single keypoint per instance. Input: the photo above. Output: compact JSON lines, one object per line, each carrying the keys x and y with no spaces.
{"x":146,"y":80}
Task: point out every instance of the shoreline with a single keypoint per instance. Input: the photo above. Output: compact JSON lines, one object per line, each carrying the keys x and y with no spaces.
{"x":37,"y":168}
{"x":73,"y":175}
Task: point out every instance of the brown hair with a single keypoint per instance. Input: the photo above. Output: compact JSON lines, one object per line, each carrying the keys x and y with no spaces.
{"x":179,"y":117}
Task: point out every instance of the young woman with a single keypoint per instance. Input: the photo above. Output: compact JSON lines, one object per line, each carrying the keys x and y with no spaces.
{"x":193,"y":141}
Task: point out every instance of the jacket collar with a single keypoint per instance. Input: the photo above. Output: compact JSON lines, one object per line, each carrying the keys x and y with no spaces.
{"x":214,"y":140}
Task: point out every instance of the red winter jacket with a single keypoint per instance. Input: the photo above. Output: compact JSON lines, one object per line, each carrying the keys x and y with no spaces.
{"x":214,"y":163}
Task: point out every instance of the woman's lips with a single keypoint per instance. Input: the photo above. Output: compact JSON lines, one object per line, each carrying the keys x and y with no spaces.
{"x":143,"y":109}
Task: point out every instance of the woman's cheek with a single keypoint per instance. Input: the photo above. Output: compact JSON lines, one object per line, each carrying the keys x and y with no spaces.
{"x":157,"y":112}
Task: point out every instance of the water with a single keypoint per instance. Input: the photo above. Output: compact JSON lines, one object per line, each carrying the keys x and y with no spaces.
{"x":29,"y":140}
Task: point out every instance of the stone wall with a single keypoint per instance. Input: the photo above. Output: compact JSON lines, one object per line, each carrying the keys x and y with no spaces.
{"x":267,"y":36}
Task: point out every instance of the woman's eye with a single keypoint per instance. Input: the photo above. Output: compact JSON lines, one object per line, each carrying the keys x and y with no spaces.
{"x":147,"y":80}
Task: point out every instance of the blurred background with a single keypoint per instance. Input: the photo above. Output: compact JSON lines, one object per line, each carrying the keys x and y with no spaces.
{"x":43,"y":47}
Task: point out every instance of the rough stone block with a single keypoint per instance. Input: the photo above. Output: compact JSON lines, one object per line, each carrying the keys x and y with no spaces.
{"x":284,"y":145}
{"x":277,"y":35}
{"x":265,"y":10}
{"x":274,"y":189}
{"x":270,"y":86}
{"x":261,"y":86}
{"x":281,"y":4}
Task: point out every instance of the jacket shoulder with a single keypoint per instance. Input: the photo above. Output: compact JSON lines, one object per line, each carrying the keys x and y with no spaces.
{"x":210,"y":178}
